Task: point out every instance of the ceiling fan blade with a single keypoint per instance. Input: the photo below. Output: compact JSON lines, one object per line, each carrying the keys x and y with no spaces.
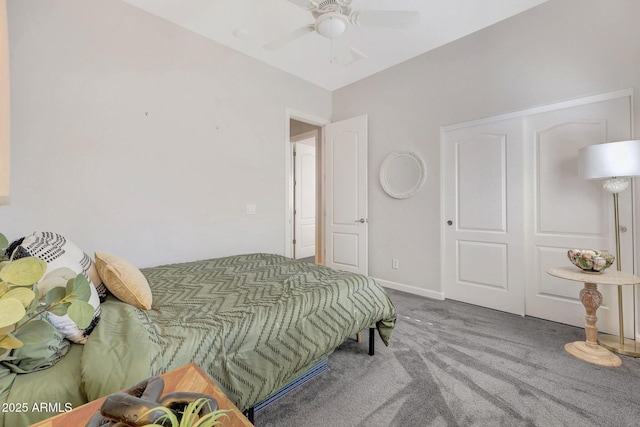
{"x":356,"y":55}
{"x":305,"y":4}
{"x":342,"y":53}
{"x":294,"y":35}
{"x":385,"y":18}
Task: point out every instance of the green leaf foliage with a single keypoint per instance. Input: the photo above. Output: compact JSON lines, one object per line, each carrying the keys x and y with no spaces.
{"x":81,"y":313}
{"x":9,"y":341}
{"x":35,"y":331}
{"x":24,"y":271}
{"x":11,"y":311}
{"x":22,"y":291}
{"x":79,"y":288}
{"x":7,"y":330}
{"x":59,"y":310}
{"x":57,"y":277}
{"x":24,"y":295}
{"x":35,"y":302}
{"x":190,"y":416}
{"x":4,"y":288}
{"x":55,"y":295}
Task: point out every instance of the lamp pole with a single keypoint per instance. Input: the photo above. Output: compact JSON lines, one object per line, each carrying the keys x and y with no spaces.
{"x":610,"y":342}
{"x":620,"y":160}
{"x":616,"y":216}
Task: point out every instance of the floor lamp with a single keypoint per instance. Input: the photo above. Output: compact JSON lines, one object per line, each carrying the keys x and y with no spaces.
{"x":615,"y":162}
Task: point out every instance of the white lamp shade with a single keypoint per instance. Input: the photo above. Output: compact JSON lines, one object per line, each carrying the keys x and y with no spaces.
{"x":612,"y":159}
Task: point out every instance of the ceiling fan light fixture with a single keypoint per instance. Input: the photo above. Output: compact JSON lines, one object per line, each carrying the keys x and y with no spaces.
{"x":331,"y":25}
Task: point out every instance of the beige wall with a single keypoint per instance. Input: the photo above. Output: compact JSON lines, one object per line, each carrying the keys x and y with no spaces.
{"x":297,"y":127}
{"x":4,"y":105}
{"x":560,"y":50}
{"x":134,"y":136}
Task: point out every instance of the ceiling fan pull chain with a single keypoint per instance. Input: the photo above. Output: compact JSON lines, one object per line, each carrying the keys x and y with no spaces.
{"x":332,"y":57}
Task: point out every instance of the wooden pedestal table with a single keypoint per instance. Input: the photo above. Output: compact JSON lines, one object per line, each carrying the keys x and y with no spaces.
{"x":591,"y":298}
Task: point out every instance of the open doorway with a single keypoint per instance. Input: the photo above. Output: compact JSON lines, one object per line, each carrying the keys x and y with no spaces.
{"x":341,"y":158}
{"x":305,"y":208}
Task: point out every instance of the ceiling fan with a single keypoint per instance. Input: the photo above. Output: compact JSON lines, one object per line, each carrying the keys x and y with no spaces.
{"x":333,"y":17}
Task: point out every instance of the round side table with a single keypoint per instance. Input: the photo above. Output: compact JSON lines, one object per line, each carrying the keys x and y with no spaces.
{"x":591,"y":298}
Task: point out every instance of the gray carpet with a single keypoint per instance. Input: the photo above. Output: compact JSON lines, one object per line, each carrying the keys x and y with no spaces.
{"x":310,"y":260}
{"x":454,"y":364}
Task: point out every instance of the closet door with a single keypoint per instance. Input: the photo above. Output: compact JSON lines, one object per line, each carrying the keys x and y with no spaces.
{"x":483,"y":230}
{"x":564,"y":211}
{"x":514,"y":204}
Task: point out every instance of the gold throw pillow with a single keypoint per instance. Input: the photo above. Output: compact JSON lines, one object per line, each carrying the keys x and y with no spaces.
{"x":124,"y":280}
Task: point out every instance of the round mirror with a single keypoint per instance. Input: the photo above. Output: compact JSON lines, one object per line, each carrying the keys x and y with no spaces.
{"x":402,"y":174}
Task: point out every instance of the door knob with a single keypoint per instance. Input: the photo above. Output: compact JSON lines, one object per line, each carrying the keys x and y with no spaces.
{"x":362,"y":220}
{"x":449,"y":222}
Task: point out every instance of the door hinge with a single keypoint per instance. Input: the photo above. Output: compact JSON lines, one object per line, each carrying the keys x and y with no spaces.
{"x":294,"y":241}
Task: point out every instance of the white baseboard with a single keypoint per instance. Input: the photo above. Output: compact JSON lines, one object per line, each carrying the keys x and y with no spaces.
{"x":411,"y":289}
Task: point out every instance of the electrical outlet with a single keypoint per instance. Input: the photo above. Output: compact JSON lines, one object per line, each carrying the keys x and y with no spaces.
{"x":395,"y":263}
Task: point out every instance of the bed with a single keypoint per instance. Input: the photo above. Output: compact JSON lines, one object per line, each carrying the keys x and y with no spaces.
{"x":253,"y":322}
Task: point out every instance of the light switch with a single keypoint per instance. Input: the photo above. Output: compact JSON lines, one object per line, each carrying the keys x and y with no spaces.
{"x":251,"y":209}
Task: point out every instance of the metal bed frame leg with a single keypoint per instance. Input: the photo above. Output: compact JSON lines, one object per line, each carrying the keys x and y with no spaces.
{"x":372,"y":336}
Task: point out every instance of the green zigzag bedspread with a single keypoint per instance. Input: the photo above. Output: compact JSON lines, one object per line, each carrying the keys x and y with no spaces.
{"x":252,"y":322}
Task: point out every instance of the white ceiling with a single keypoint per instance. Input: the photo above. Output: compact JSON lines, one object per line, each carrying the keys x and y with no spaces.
{"x":247,"y":25}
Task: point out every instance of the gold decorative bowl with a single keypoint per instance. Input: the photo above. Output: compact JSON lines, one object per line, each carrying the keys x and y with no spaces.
{"x":591,"y":260}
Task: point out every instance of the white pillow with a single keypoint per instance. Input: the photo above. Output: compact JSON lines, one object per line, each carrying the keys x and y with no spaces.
{"x":59,"y":252}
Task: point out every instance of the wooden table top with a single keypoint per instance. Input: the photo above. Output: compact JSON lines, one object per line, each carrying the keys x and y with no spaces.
{"x":186,"y":378}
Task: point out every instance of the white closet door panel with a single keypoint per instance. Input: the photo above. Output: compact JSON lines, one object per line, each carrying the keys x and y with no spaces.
{"x":483,"y":243}
{"x":483,"y":264}
{"x":554,"y":287}
{"x":560,"y":185}
{"x":569,"y":212}
{"x":482,"y":197}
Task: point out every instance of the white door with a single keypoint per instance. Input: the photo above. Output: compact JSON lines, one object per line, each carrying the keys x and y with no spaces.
{"x":516,"y":205}
{"x":305,"y":198}
{"x":346,"y":195}
{"x":483,"y":183}
{"x":568,"y":212}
